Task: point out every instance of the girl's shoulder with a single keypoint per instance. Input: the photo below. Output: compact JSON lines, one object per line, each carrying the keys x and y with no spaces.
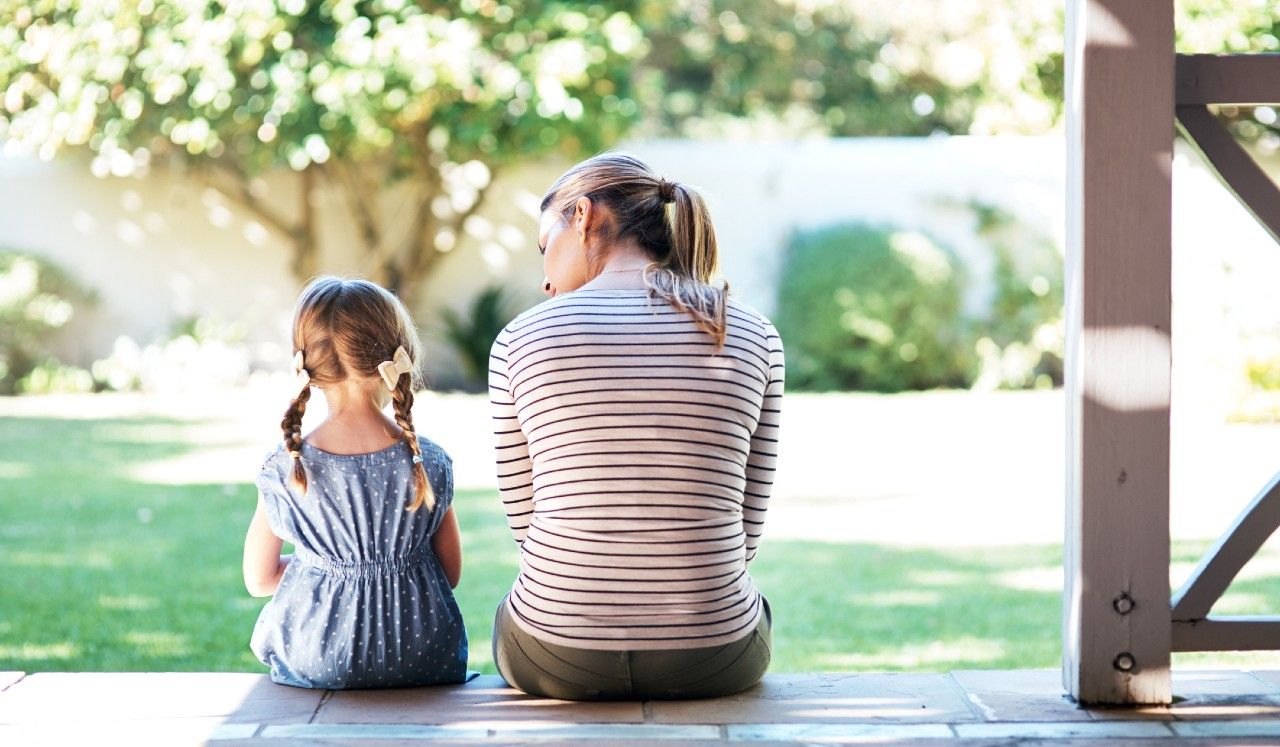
{"x":433,"y":452}
{"x":276,"y":461}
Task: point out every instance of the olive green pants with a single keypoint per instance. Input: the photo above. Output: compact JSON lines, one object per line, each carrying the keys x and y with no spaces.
{"x":541,"y":668}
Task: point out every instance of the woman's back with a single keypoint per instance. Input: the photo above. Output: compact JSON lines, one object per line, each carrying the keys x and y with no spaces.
{"x":635,"y":463}
{"x":365,"y":602}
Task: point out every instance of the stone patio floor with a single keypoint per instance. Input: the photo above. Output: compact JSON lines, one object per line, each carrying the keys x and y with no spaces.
{"x":963,"y":707}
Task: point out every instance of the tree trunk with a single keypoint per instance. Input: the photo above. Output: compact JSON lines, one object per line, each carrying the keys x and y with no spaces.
{"x":306,"y":261}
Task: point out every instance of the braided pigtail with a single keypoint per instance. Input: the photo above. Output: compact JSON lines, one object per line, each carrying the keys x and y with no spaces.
{"x":402,"y":401}
{"x":292,"y":427}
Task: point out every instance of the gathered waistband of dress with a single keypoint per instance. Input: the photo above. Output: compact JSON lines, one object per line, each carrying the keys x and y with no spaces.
{"x":355,"y":568}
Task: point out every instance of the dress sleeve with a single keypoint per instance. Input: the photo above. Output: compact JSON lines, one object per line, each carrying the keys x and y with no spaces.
{"x":441,"y":478}
{"x":515,"y":469}
{"x":763,"y":459}
{"x":275,"y":497}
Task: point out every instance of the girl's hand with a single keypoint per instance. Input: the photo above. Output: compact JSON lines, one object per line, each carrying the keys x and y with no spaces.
{"x":447,"y":545}
{"x":263,"y":563}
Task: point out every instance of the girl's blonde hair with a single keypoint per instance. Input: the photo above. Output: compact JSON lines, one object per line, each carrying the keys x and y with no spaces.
{"x":346,"y":328}
{"x":669,"y":221}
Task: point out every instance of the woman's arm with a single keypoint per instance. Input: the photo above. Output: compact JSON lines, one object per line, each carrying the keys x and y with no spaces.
{"x":515,"y":469}
{"x":763,"y":459}
{"x":447,"y":545}
{"x":263,"y":563}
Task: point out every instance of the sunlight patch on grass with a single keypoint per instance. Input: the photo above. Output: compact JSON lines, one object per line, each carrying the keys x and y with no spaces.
{"x":1228,"y":659}
{"x":141,"y":433}
{"x":39,"y":651}
{"x":45,"y":559}
{"x":939,"y":655}
{"x":204,"y":467}
{"x":940,"y":577}
{"x":900,"y":598}
{"x":14,"y":470}
{"x":1032,"y":579}
{"x":130,"y":602}
{"x":1245,"y":603}
{"x":159,"y":642}
{"x":1262,"y":566}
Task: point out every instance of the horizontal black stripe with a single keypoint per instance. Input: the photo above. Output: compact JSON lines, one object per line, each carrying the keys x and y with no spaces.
{"x":520,"y":583}
{"x":578,"y":551}
{"x":544,"y":530}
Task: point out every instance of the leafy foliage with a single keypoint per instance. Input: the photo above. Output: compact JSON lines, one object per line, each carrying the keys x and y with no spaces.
{"x":472,"y":334}
{"x":851,"y":67}
{"x":37,"y":300}
{"x":361,"y":96}
{"x":1021,"y":336}
{"x":869,"y":308}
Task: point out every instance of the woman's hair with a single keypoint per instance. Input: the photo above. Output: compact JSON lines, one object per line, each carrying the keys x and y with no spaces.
{"x":346,"y":328}
{"x":669,"y":221}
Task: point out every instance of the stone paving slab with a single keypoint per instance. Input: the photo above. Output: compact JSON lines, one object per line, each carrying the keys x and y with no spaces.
{"x":1037,"y":695}
{"x":71,"y":729}
{"x":1028,"y":695}
{"x":484,"y":699}
{"x":123,"y":696}
{"x":1223,"y":694}
{"x":963,"y":708}
{"x":827,"y":698}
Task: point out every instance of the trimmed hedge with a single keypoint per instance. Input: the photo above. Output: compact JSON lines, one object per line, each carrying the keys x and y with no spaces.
{"x":873,"y":308}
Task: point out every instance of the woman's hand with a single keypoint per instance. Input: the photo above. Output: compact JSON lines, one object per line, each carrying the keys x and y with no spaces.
{"x":447,"y":545}
{"x":263,"y":563}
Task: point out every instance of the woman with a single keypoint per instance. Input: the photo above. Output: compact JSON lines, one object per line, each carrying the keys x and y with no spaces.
{"x":636,"y":416}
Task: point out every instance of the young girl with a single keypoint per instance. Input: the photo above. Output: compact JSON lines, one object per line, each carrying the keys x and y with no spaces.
{"x":366,"y":598}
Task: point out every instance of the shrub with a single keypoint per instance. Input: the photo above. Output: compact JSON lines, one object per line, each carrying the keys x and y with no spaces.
{"x":199,"y":352}
{"x":37,"y":299}
{"x":873,"y":308}
{"x":1021,"y":338}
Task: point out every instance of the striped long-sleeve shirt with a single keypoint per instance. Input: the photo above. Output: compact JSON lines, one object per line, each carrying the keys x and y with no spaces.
{"x":635,"y":464}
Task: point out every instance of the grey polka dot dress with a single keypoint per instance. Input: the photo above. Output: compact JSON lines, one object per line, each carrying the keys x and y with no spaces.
{"x":364,"y":603}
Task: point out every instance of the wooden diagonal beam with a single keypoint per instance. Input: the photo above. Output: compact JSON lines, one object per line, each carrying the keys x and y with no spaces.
{"x":1233,"y":165}
{"x":1236,"y":547}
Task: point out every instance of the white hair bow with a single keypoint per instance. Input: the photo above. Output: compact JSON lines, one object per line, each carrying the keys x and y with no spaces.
{"x":398,"y":365}
{"x":301,"y":378}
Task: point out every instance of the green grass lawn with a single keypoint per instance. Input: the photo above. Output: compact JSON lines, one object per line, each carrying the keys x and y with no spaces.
{"x":102,"y":571}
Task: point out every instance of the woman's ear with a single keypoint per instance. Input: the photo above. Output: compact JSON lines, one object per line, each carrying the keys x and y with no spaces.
{"x":583,"y":213}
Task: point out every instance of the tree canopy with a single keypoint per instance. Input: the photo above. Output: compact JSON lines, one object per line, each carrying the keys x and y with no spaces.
{"x":363,"y":95}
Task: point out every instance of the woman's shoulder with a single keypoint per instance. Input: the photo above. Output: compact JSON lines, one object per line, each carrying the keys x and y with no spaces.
{"x":744,"y":313}
{"x":539,"y":311}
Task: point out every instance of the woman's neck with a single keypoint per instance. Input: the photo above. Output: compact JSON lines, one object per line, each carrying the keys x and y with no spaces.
{"x":623,"y":269}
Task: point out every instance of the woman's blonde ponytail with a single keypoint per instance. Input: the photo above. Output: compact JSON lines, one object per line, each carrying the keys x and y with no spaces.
{"x":669,"y":221}
{"x":683,"y":278}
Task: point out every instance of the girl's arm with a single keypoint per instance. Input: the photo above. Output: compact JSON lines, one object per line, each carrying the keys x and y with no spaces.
{"x":263,"y":563}
{"x":447,"y":545}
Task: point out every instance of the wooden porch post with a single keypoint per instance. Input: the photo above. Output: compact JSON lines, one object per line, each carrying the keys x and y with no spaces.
{"x":1120,"y":124}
